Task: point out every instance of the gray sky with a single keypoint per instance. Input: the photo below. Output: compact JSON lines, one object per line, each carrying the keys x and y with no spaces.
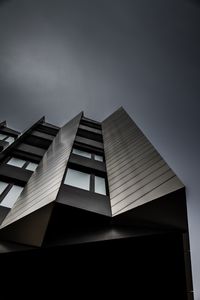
{"x":58,"y":57}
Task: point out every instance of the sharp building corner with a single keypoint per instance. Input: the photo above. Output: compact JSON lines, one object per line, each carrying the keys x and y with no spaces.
{"x":100,"y":185}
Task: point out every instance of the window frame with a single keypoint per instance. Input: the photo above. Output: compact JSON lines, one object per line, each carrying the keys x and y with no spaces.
{"x":5,"y":136}
{"x":104,"y":187}
{"x":30,"y":162}
{"x":75,"y":149}
{"x":92,"y":174}
{"x":7,"y":190}
{"x":80,"y":171}
{"x":25,"y":162}
{"x":88,"y":151}
{"x":99,"y":156}
{"x":4,"y":189}
{"x":11,"y":203}
{"x":10,"y":142}
{"x":24,"y":167}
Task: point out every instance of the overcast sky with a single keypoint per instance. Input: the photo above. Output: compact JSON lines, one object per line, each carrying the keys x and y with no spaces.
{"x":58,"y":57}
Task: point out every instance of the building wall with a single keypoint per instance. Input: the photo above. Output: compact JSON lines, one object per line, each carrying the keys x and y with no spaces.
{"x":136,"y":172}
{"x":43,"y":186}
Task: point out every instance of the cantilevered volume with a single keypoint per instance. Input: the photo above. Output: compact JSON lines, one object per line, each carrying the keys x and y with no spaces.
{"x":87,"y":182}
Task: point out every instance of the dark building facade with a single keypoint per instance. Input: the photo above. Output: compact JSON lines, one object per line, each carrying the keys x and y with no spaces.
{"x":91,"y":187}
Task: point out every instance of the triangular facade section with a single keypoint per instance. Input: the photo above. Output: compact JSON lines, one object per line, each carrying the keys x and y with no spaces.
{"x":137,"y":174}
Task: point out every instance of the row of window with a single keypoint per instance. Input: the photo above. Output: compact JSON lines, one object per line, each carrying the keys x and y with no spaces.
{"x":6,"y":138}
{"x":84,"y":181}
{"x":73,"y":177}
{"x":87,"y":154}
{"x":11,"y":191}
{"x":20,"y":163}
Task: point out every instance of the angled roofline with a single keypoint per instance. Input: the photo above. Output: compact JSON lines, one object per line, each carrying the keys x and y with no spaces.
{"x":19,"y":138}
{"x":3,"y":124}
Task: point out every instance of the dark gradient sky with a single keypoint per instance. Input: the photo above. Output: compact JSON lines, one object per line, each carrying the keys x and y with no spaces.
{"x":60,"y":57}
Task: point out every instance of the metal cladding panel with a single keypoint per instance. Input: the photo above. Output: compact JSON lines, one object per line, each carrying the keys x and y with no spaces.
{"x":44,"y":184}
{"x":137,"y":174}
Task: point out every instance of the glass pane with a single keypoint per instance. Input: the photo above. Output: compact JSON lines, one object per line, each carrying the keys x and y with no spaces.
{"x":3,"y":185}
{"x":82,"y":153}
{"x":98,"y":157}
{"x":2,"y":136}
{"x":31,"y":166}
{"x":12,"y":196}
{"x":10,"y":140}
{"x":16,"y":162}
{"x":100,"y":185}
{"x":78,"y":179}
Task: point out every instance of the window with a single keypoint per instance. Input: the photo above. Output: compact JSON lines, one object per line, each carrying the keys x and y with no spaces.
{"x":81,"y":153}
{"x":16,"y":162}
{"x":12,"y":196}
{"x":31,"y":166}
{"x":78,"y":179}
{"x":6,"y":138}
{"x":3,"y":186}
{"x":20,"y":163}
{"x":98,"y":157}
{"x":10,"y":140}
{"x":87,"y":154}
{"x":86,"y":181}
{"x":2,"y":136}
{"x":100,"y":185}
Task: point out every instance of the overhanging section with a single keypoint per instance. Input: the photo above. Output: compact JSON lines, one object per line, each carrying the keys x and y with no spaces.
{"x":44,"y":184}
{"x":137,"y":174}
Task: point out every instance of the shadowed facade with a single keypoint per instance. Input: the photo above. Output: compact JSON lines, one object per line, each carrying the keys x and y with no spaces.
{"x":93,"y":182}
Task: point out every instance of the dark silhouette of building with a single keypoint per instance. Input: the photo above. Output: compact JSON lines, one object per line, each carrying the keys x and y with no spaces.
{"x":88,"y":188}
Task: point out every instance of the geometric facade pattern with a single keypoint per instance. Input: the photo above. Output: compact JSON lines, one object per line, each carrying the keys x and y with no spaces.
{"x":89,"y":182}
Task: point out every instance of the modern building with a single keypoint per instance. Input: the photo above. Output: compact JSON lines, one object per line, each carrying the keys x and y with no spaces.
{"x":91,"y":187}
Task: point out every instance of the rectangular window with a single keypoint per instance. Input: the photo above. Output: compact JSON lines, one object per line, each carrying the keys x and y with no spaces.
{"x":31,"y":166}
{"x":89,"y":155}
{"x":2,"y":136}
{"x":3,"y":186}
{"x":81,"y":153}
{"x":16,"y":162}
{"x":78,"y":179}
{"x":98,"y":157}
{"x":12,"y":196}
{"x":10,"y":140}
{"x":100,"y":185}
{"x":82,"y":180}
